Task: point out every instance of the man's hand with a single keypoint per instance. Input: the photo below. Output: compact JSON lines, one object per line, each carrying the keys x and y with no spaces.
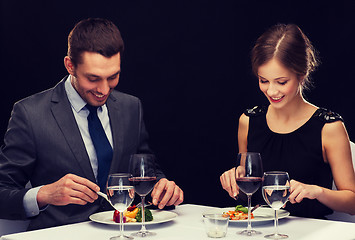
{"x":70,"y":189}
{"x":167,"y":193}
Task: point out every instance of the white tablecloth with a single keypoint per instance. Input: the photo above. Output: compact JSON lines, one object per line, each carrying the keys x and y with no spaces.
{"x":189,"y":225}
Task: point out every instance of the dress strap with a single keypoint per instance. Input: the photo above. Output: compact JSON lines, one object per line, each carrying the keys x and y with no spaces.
{"x":327,"y":116}
{"x":256,"y":111}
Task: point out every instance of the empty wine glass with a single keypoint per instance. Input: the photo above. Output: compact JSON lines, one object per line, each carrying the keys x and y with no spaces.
{"x":142,"y":168}
{"x":249,"y":174}
{"x":120,"y":194}
{"x":276,"y":190}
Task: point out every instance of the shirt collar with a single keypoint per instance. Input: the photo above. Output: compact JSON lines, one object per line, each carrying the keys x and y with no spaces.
{"x":74,"y":98}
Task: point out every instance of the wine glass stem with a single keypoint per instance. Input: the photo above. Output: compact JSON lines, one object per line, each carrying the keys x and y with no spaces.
{"x":121,"y":223}
{"x":143,"y":229}
{"x":249,"y":213}
{"x":276,"y":223}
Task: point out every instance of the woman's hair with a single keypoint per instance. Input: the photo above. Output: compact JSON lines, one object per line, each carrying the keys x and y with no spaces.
{"x":289,"y":45}
{"x":94,"y":35}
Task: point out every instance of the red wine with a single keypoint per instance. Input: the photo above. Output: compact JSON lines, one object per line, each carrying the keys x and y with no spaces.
{"x":143,"y":185}
{"x":249,"y":185}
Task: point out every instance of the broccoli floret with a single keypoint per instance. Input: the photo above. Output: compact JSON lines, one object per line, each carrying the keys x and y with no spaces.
{"x":147,"y":213}
{"x":241,"y":208}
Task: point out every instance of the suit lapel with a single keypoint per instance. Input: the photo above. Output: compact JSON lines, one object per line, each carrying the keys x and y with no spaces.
{"x":64,"y":116}
{"x":116,"y":114}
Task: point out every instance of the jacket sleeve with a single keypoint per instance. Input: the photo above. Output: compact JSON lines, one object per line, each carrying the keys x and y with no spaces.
{"x":17,"y":159}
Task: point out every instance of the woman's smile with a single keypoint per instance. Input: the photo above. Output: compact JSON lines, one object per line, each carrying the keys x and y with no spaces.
{"x":276,"y":99}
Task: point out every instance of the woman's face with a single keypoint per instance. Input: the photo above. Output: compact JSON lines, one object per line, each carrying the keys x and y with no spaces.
{"x":280,"y":85}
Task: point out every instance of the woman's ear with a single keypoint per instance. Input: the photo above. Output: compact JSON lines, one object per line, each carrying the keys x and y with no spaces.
{"x":302,"y":79}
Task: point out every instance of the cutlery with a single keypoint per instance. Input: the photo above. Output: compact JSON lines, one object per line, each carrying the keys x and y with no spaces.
{"x":257,"y":206}
{"x":102,"y":195}
{"x":145,"y":205}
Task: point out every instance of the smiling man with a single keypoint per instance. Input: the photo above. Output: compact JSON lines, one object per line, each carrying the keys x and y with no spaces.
{"x":96,"y":78}
{"x":50,"y":140}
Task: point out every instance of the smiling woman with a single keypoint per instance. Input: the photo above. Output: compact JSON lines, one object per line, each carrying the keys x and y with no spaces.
{"x":293,"y":135}
{"x":291,"y":47}
{"x":278,"y":83}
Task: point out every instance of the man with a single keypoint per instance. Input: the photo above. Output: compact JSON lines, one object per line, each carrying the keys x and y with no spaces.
{"x":49,"y":141}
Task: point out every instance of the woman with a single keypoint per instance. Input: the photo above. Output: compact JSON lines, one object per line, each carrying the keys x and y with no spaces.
{"x":293,"y":135}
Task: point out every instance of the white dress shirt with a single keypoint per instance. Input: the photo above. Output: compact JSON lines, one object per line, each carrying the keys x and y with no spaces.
{"x":80,"y":113}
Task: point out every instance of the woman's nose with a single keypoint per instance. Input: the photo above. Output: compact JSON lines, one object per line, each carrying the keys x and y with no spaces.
{"x":272,"y":90}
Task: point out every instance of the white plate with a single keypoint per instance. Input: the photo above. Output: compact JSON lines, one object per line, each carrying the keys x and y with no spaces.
{"x":159,"y":216}
{"x":261,"y":214}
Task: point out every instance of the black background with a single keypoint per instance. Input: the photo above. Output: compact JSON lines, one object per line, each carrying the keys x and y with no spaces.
{"x":188,"y":61}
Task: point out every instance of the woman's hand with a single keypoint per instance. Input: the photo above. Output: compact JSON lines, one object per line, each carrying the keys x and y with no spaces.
{"x":229,"y":183}
{"x":299,"y":191}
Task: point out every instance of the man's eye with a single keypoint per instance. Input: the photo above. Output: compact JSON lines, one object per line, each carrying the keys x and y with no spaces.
{"x":113,"y":77}
{"x":93,"y":79}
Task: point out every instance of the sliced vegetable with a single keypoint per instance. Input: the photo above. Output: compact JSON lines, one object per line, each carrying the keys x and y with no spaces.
{"x":131,"y":208}
{"x":131,"y":213}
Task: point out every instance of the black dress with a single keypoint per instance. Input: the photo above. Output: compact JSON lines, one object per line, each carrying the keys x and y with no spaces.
{"x":298,"y":152}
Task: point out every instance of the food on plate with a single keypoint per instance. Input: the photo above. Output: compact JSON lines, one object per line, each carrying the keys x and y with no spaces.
{"x":239,"y":213}
{"x":133,"y":214}
{"x":116,"y":217}
{"x":147,"y":215}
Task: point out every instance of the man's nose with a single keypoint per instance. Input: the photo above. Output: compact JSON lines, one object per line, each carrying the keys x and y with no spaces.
{"x":103,"y":87}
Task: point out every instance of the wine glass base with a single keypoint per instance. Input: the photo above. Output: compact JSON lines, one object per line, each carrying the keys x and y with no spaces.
{"x":249,"y":232}
{"x":121,"y":237}
{"x":143,"y":234}
{"x":276,"y":236}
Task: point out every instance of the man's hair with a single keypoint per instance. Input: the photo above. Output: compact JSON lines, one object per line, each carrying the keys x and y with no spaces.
{"x":94,"y":35}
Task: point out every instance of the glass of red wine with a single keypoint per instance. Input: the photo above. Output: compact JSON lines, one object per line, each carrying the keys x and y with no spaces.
{"x":249,"y":173}
{"x":142,"y":168}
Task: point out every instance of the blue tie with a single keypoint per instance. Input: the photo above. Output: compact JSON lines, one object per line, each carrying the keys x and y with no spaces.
{"x":102,"y":146}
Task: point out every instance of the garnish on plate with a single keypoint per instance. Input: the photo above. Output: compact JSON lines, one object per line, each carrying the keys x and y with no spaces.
{"x":147,"y":215}
{"x":239,"y":213}
{"x":133,"y":214}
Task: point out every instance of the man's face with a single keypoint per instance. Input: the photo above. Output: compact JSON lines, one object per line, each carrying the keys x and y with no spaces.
{"x":96,"y":77}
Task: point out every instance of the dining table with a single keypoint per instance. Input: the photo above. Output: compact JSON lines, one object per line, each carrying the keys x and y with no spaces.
{"x":187,"y":223}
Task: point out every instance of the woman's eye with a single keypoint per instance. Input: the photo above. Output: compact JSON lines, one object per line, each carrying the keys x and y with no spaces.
{"x":283,"y":83}
{"x":262,"y":81}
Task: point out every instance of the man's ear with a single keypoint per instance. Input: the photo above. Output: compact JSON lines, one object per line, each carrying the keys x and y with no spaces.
{"x":69,"y":65}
